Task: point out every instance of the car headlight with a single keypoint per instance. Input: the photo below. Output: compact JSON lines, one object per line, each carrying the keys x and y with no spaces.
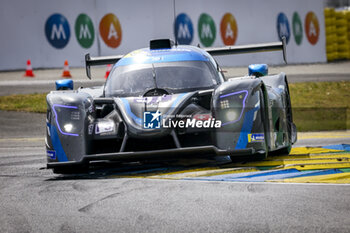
{"x":231,"y":114}
{"x":68,"y":119}
{"x":232,"y":106}
{"x":68,"y":127}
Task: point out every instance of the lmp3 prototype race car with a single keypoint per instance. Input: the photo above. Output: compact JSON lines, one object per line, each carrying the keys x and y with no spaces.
{"x":166,"y":101}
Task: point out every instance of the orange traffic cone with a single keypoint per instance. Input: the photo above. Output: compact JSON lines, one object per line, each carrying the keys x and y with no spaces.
{"x":66,"y":72}
{"x":29,"y":70}
{"x":109,"y":68}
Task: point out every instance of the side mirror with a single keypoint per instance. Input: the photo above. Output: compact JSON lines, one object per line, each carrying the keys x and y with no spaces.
{"x":64,"y":84}
{"x":258,"y":70}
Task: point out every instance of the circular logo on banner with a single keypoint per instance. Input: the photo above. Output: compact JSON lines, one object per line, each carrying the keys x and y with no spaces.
{"x":183,"y":29}
{"x":283,"y":27}
{"x":84,"y":31}
{"x":228,"y":28}
{"x":57,"y":31}
{"x":297,"y":28}
{"x":206,"y":30}
{"x":110,"y":30}
{"x":312,"y":28}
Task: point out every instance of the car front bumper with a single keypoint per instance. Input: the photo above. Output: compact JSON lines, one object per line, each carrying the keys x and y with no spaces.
{"x":155,"y":154}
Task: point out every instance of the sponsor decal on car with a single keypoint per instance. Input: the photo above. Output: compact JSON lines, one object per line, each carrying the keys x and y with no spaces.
{"x":90,"y":129}
{"x":192,"y":123}
{"x":151,"y":120}
{"x":153,"y":99}
{"x":256,"y":137}
{"x":51,"y":154}
{"x":154,"y":120}
{"x":104,"y":127}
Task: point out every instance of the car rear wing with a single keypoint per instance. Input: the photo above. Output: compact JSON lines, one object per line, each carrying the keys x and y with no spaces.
{"x":229,"y":50}
{"x":252,"y":48}
{"x":96,"y":61}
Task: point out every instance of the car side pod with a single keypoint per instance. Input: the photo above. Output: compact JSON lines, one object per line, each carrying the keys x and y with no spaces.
{"x":258,"y":70}
{"x":64,"y":84}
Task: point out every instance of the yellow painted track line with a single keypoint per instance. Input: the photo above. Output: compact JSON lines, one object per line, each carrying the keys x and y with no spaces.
{"x":234,"y":170}
{"x":347,"y":155}
{"x":291,"y":162}
{"x":311,"y":150}
{"x":198,"y":172}
{"x":316,"y":162}
{"x":319,"y":166}
{"x":181,"y":172}
{"x":186,"y":174}
{"x":338,"y":178}
{"x":309,"y":156}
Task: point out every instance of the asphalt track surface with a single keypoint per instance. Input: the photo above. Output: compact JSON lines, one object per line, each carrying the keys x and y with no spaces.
{"x":123,"y":199}
{"x":162,"y":196}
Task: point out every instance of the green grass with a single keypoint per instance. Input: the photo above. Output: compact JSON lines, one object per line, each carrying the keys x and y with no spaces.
{"x":316,"y":106}
{"x":24,"y":103}
{"x":321,"y":105}
{"x":320,"y":94}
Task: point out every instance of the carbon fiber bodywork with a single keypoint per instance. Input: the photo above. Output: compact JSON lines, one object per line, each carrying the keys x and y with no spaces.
{"x":87,"y":124}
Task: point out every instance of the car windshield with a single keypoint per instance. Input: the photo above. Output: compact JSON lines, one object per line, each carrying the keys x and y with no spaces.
{"x":174,"y":77}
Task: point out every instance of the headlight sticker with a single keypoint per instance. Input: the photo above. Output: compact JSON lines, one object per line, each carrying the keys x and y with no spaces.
{"x":75,"y":115}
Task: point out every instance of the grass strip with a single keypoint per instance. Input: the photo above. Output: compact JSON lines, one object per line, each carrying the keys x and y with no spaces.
{"x":321,"y":106}
{"x":24,"y":103}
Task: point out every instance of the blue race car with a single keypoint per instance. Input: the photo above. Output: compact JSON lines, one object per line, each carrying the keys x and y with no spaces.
{"x":170,"y":100}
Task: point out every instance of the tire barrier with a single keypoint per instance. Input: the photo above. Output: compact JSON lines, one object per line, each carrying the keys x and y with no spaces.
{"x":337,"y":23}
